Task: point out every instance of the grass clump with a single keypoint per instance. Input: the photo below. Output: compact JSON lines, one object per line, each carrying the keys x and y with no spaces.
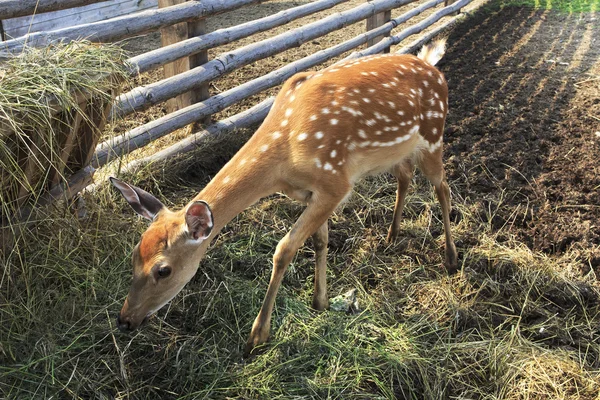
{"x":512,"y":324}
{"x":44,"y":92}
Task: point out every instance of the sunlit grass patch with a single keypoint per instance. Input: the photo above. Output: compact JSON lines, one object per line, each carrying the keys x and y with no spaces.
{"x":569,"y":6}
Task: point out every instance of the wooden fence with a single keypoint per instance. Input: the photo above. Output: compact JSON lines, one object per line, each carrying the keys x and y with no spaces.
{"x":381,"y":33}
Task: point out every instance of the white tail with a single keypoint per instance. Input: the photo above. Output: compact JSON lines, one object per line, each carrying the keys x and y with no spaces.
{"x":326,"y":130}
{"x":433,"y":52}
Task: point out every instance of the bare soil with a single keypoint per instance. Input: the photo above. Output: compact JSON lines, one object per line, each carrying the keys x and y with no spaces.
{"x":524,"y":116}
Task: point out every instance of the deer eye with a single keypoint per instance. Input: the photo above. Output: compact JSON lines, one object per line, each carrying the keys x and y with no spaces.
{"x":163,"y":272}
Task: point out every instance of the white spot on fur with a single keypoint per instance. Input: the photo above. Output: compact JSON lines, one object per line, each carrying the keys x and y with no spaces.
{"x":333,"y":121}
{"x":264,"y":147}
{"x":319,"y":135}
{"x":302,"y":136}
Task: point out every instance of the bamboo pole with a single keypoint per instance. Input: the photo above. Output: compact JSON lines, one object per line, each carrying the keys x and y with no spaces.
{"x":21,"y":8}
{"x":144,"y":134}
{"x":155,"y":58}
{"x":125,"y":26}
{"x":146,"y":96}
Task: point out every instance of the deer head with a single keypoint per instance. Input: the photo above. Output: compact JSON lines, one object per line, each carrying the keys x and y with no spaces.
{"x":167,"y":256}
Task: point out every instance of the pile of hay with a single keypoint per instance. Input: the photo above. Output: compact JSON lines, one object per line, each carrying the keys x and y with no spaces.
{"x":42,"y":92}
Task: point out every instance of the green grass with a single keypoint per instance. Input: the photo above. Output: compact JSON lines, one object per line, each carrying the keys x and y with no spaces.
{"x":512,"y":324}
{"x":568,"y":6}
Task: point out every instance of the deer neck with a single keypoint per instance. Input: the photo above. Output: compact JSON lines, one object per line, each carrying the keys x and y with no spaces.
{"x":245,"y":179}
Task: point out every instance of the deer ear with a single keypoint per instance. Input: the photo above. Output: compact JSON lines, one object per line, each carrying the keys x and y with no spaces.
{"x":141,"y":201}
{"x":199,"y":220}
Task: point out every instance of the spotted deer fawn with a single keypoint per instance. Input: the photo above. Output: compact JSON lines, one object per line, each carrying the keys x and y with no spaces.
{"x":325,"y":131}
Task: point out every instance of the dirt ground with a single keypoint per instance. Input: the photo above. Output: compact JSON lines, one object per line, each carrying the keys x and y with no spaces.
{"x":524,"y":121}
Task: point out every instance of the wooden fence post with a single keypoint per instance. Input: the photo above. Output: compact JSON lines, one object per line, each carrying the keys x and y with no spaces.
{"x":169,"y":35}
{"x":197,"y":28}
{"x":376,"y":21}
{"x":177,"y":33}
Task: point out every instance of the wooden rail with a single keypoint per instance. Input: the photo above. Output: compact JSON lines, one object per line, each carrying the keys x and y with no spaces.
{"x":146,"y":96}
{"x":144,"y":134}
{"x":21,"y":8}
{"x":155,"y":58}
{"x":125,"y":26}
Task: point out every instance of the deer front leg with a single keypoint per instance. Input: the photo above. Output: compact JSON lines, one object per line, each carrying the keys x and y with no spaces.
{"x":312,"y":219}
{"x":320,"y":239}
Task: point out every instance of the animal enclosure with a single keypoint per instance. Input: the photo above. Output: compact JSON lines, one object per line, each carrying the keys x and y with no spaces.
{"x":198,"y":77}
{"x":520,"y":320}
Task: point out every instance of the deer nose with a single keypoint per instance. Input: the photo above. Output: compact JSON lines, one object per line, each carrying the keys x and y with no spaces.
{"x":123,"y":323}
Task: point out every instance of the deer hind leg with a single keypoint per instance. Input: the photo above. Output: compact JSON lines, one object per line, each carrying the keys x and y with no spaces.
{"x":403,"y":173}
{"x":432,"y":166}
{"x":320,"y":239}
{"x":319,"y":208}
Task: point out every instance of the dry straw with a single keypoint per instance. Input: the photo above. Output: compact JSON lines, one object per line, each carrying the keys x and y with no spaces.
{"x":42,"y":92}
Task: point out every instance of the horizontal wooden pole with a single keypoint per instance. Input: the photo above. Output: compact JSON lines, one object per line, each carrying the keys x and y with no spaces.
{"x":418,"y":43}
{"x":416,"y":28}
{"x":155,"y":58}
{"x":21,"y":8}
{"x":125,"y":26}
{"x":398,"y":20}
{"x":146,"y":96}
{"x":144,"y":134}
{"x":249,"y":117}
